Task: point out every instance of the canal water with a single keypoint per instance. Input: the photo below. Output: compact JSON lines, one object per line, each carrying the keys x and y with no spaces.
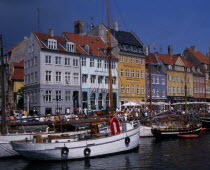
{"x":152,"y":154}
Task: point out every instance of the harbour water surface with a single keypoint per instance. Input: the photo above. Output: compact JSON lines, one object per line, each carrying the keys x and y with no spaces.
{"x":169,"y":154}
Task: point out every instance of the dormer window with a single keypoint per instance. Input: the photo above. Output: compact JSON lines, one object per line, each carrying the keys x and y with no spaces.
{"x":205,"y":66}
{"x":70,"y":47}
{"x":86,"y":48}
{"x":52,"y":44}
{"x":170,"y":67}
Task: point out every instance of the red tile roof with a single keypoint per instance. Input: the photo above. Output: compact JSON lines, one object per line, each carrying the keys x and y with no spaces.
{"x":96,"y":44}
{"x":187,"y":63}
{"x":202,"y":58}
{"x":42,"y":37}
{"x":167,"y":59}
{"x":18,"y":74}
{"x":151,"y":58}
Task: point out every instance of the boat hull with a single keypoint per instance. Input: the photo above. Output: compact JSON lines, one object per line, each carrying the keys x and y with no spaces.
{"x":161,"y":133}
{"x":146,"y":131}
{"x":205,"y":122}
{"x":79,"y":149}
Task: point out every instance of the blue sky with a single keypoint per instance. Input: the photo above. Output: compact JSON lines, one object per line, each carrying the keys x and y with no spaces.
{"x":180,"y":23}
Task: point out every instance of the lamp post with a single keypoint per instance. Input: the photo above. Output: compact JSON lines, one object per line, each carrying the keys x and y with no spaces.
{"x":57,"y":99}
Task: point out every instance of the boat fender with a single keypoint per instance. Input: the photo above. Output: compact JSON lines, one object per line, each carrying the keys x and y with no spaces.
{"x":127,"y":141}
{"x":64,"y":151}
{"x":87,"y":152}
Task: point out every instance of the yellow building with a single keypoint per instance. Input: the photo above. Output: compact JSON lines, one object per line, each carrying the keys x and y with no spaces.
{"x":178,"y":72}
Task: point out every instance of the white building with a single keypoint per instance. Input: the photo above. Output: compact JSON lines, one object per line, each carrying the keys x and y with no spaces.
{"x":51,"y":74}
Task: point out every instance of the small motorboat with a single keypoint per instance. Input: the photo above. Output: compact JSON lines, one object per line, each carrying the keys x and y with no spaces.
{"x":187,"y":135}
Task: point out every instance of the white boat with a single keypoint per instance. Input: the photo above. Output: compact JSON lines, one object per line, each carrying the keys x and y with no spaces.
{"x":6,"y":149}
{"x":114,"y":141}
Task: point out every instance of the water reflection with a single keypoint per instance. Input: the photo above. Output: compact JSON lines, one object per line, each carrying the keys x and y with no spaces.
{"x":120,"y":161}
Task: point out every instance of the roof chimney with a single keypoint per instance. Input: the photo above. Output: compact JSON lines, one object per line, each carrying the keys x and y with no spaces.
{"x":170,"y":50}
{"x":194,"y":48}
{"x":79,"y":27}
{"x":116,"y":26}
{"x":51,"y":33}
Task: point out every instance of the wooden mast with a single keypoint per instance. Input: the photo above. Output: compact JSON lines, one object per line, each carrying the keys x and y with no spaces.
{"x":109,"y":50}
{"x":3,"y":104}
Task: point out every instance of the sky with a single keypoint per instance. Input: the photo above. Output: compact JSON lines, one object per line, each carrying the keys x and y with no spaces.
{"x":180,"y":23}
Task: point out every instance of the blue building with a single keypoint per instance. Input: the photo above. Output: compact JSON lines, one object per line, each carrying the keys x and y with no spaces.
{"x":158,"y":79}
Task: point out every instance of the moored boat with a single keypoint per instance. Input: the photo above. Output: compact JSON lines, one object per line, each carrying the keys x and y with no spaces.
{"x":188,"y":136}
{"x":75,"y":147}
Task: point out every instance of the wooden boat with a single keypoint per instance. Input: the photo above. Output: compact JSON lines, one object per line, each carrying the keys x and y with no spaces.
{"x":117,"y":138}
{"x":169,"y":126}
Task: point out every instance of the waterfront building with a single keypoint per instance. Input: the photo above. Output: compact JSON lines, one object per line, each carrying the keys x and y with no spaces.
{"x":14,"y":74}
{"x":157,"y":69}
{"x":199,"y":84}
{"x":178,"y":69}
{"x":201,"y":61}
{"x":94,"y":70}
{"x":131,"y":66}
{"x":51,"y":74}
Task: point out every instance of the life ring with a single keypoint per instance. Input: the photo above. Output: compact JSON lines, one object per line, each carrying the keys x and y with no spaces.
{"x":87,"y":152}
{"x":64,"y":151}
{"x":114,"y":126}
{"x":127,"y":141}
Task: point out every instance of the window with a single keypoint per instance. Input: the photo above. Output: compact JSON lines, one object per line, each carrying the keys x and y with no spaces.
{"x":99,"y":63}
{"x":163,"y":93}
{"x":132,"y":73}
{"x":91,"y":62}
{"x":92,"y":78}
{"x":142,"y":74}
{"x":100,"y":98}
{"x":127,"y":89}
{"x":32,"y":78}
{"x":127,"y":59}
{"x":106,"y":80}
{"x":70,"y":46}
{"x":92,"y":101}
{"x":68,"y":96}
{"x":122,"y":88}
{"x":114,"y":80}
{"x":157,"y":93}
{"x":142,"y":90}
{"x":153,"y":80}
{"x":163,"y":81}
{"x":148,"y":92}
{"x":75,"y":62}
{"x":137,"y":74}
{"x":76,"y":78}
{"x":84,"y":78}
{"x":58,"y":60}
{"x":127,"y":73}
{"x":67,"y":61}
{"x":32,"y":62}
{"x":153,"y":92}
{"x":132,"y":60}
{"x":113,"y":66}
{"x":83,"y":61}
{"x":48,"y":96}
{"x":142,"y":62}
{"x":105,"y":64}
{"x":35,"y":60}
{"x":121,"y":58}
{"x":170,"y":67}
{"x":121,"y":72}
{"x":100,"y":79}
{"x":157,"y":80}
{"x":58,"y":95}
{"x":48,"y":76}
{"x":52,"y":44}
{"x":137,"y":61}
{"x":132,"y":89}
{"x":67,"y":77}
{"x":35,"y":77}
{"x":58,"y":76}
{"x":48,"y":59}
{"x":137,"y":89}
